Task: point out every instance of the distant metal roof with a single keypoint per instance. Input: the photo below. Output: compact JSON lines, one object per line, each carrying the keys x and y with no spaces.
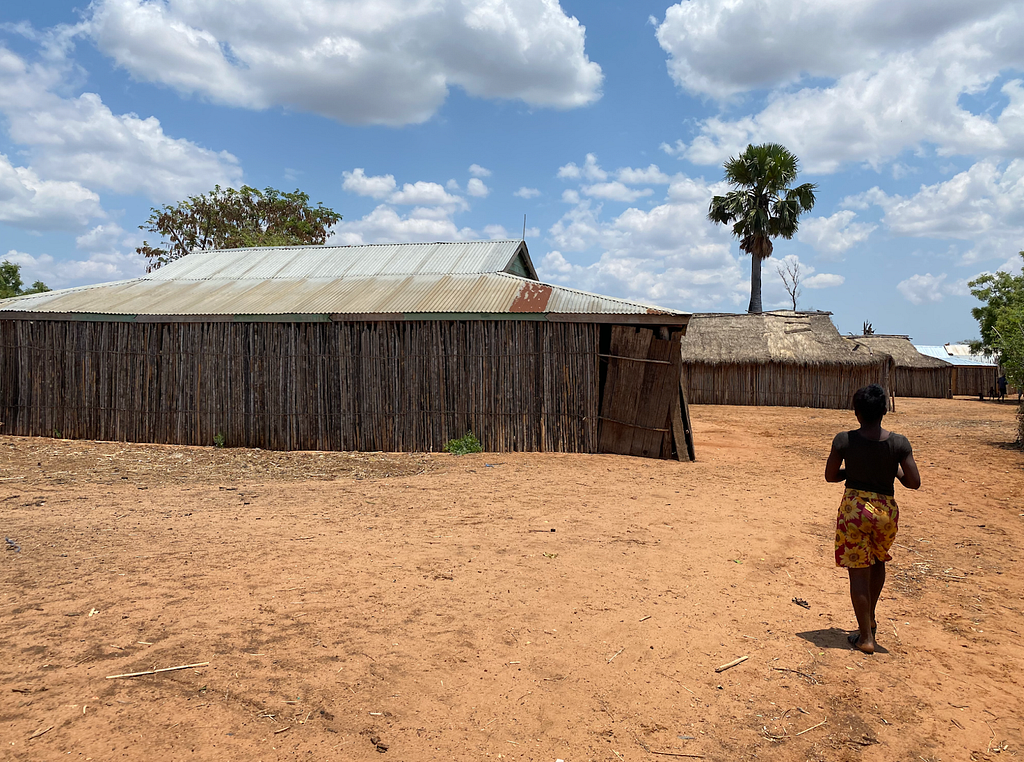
{"x":963,"y":350}
{"x":952,"y":359}
{"x":321,"y":281}
{"x":287,"y":262}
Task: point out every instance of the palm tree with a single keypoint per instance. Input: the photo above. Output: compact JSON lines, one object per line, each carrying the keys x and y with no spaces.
{"x":763,"y":206}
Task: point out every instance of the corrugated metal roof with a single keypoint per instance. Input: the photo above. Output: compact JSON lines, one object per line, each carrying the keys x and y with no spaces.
{"x":963,"y":350}
{"x":441,"y":278}
{"x":343,"y":261}
{"x":426,"y":293}
{"x":961,"y":360}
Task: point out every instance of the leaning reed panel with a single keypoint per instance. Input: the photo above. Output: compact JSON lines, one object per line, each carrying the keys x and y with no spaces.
{"x":519,"y":385}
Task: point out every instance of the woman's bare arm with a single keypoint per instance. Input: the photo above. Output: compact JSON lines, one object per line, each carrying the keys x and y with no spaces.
{"x":908,"y":474}
{"x":833,"y":468}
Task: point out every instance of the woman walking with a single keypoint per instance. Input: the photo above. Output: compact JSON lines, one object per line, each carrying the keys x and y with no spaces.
{"x":868,"y":515}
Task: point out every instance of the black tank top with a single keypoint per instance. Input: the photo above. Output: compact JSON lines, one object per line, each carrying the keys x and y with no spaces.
{"x":870,"y":465}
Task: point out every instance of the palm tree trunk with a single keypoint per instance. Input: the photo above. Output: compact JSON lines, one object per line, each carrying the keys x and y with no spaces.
{"x":755,"y":284}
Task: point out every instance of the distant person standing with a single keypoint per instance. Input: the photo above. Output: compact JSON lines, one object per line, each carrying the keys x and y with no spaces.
{"x":1001,"y":383}
{"x":868,"y":514}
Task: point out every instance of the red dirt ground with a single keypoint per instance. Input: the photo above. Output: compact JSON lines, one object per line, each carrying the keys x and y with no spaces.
{"x":512,"y":607}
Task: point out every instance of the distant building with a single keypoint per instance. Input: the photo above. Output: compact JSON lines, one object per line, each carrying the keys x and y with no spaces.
{"x":915,"y":375}
{"x":973,"y":375}
{"x":396,"y":347}
{"x":788,"y":358}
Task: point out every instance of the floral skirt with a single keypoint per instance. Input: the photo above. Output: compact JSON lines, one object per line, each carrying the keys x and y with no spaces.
{"x":865,"y":529}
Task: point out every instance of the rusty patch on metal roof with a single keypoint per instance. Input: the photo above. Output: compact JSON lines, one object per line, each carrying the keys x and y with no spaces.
{"x":533,"y":297}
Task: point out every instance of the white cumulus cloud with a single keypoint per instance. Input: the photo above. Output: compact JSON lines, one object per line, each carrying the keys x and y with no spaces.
{"x":590,"y":170}
{"x":615,"y":191}
{"x":27,"y":201}
{"x":857,"y":81}
{"x":650,"y":176}
{"x":477,"y":171}
{"x":422,"y":193}
{"x":385,"y":225}
{"x":823,"y":280}
{"x":476,"y":188}
{"x":668,"y":255}
{"x":108,"y":238}
{"x":927,"y":288}
{"x":525,"y":192}
{"x":98,"y":267}
{"x":357,"y":61}
{"x":836,"y":234}
{"x":80,"y":140}
{"x":374,"y":186}
{"x":983,"y":205}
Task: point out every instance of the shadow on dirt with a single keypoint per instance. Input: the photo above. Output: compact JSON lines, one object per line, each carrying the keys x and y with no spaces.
{"x":1018,"y":446}
{"x":833,"y":637}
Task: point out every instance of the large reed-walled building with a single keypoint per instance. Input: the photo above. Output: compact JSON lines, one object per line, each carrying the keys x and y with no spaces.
{"x":388,"y":347}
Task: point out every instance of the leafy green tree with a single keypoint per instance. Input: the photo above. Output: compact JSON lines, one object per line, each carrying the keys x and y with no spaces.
{"x":12,"y":285}
{"x":1001,"y":320}
{"x":226,"y":218}
{"x":763,"y":205}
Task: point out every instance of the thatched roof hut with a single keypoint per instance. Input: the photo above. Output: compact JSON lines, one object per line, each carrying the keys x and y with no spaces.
{"x":916,"y":375}
{"x":786,"y":358}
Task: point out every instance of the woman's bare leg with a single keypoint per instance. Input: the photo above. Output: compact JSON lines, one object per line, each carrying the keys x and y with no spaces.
{"x":860,"y":596}
{"x":877,"y":583}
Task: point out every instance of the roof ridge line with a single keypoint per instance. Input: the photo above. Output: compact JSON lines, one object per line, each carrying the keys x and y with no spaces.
{"x":354,"y":245}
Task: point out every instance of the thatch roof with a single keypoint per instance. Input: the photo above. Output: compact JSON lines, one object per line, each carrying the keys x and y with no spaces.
{"x":901,"y":350}
{"x":798,"y":338}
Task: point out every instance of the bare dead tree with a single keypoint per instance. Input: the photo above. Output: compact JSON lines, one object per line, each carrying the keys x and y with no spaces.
{"x":789,"y":271}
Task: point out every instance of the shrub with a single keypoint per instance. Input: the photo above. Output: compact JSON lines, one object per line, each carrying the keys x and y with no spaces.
{"x":464,"y":444}
{"x":218,"y":440}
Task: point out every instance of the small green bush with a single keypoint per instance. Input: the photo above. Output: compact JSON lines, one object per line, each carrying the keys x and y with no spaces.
{"x":464,"y":444}
{"x":218,"y":440}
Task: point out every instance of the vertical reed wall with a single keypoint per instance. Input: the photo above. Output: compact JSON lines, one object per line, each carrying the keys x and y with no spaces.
{"x":975,"y":380}
{"x":386,"y":386}
{"x":784,"y":384}
{"x":924,"y":382}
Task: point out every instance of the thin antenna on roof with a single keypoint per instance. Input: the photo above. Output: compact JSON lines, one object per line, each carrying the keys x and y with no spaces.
{"x":524,"y":227}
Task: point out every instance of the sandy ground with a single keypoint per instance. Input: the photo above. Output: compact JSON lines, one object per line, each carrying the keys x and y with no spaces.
{"x":516,"y":607}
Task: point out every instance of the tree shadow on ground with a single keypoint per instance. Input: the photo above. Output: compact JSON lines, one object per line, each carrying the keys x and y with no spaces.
{"x":1018,"y":446}
{"x":833,"y":637}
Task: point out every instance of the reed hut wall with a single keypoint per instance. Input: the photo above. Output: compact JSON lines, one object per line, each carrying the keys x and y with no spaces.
{"x":975,"y":380}
{"x":783,"y":358}
{"x":777,"y":383}
{"x":924,"y":382}
{"x":370,"y":386}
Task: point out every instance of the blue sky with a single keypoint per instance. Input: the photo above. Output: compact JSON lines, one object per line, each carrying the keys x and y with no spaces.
{"x":606,"y":123}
